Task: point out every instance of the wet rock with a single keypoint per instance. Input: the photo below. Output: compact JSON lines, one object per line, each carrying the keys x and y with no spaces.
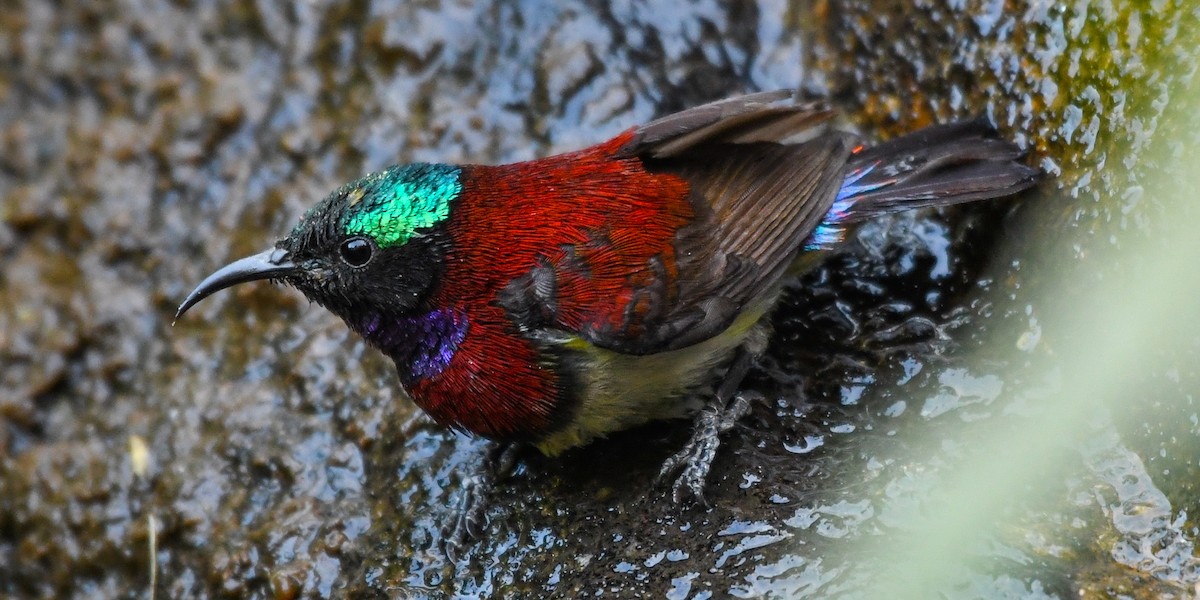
{"x":140,"y":146}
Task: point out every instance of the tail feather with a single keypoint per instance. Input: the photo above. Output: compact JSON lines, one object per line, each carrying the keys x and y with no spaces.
{"x":936,"y":166}
{"x":967,"y":183}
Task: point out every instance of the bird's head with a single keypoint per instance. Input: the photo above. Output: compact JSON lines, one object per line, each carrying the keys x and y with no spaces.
{"x":375,"y":245}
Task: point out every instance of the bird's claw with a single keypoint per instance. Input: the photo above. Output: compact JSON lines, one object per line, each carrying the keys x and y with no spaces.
{"x":472,"y":516}
{"x":696,"y":457}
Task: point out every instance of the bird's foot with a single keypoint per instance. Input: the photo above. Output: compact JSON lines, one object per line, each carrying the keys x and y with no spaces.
{"x":471,"y":518}
{"x":694,"y":460}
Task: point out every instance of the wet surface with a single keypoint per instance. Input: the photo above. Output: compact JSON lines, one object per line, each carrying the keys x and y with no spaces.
{"x":142,"y":144}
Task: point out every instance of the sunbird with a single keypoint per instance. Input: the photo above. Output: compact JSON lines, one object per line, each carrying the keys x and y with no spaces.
{"x":554,"y":301}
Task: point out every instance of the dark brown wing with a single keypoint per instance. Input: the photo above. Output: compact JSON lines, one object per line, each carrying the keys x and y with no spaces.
{"x":763,"y":170}
{"x":763,"y":117}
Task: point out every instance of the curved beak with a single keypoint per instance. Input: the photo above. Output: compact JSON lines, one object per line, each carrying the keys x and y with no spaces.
{"x":264,"y":265}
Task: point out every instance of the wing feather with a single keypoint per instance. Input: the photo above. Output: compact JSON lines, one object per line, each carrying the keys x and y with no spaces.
{"x":762,"y":171}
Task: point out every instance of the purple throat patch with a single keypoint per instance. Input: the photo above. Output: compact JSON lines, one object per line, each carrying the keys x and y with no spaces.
{"x":422,"y":345}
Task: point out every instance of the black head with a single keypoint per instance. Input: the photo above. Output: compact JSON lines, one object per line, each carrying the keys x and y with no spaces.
{"x":373,"y":246}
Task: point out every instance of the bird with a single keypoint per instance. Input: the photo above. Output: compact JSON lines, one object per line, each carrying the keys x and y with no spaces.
{"x":554,"y":301}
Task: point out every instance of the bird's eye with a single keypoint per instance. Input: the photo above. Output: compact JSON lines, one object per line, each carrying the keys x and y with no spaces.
{"x":356,"y":252}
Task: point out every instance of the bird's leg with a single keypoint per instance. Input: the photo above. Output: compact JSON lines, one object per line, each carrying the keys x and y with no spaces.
{"x":727,"y":406}
{"x":498,"y":464}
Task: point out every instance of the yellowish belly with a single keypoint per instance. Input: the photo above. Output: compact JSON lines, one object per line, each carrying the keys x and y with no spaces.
{"x":623,"y":390}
